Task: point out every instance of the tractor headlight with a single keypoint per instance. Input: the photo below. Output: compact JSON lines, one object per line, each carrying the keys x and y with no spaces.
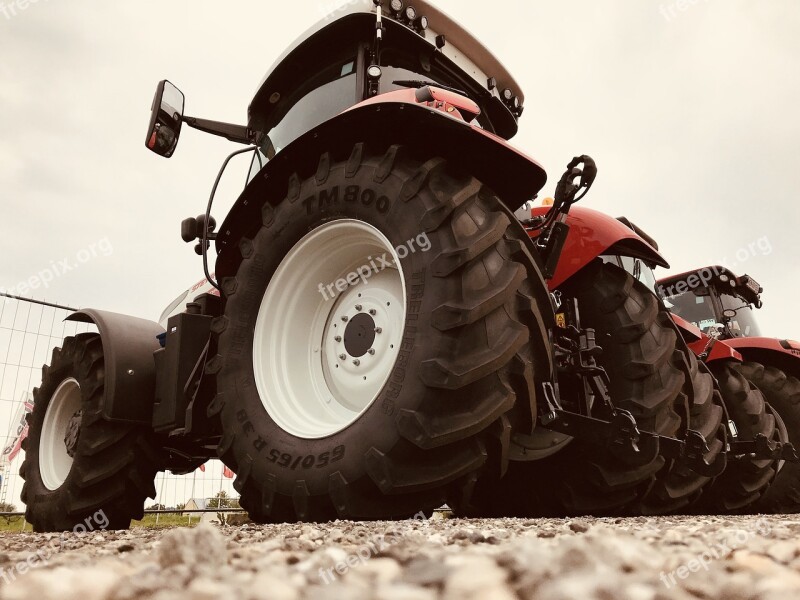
{"x":411,"y":14}
{"x":374,"y":72}
{"x":397,"y":5}
{"x":422,"y":23}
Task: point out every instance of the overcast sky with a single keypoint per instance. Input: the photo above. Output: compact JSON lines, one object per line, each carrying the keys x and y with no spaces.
{"x":691,"y":115}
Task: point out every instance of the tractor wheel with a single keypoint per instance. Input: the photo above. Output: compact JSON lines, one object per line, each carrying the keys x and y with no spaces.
{"x":80,"y":470}
{"x":744,"y":480}
{"x":677,"y":486}
{"x":650,"y":377}
{"x":375,"y":341}
{"x":782,"y":392}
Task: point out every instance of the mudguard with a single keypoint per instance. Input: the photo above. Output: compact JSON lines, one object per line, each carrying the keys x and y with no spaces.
{"x":128,"y":346}
{"x":691,"y":333}
{"x":593,"y":234}
{"x":422,"y":125}
{"x":700,"y":343}
{"x":772,"y":352}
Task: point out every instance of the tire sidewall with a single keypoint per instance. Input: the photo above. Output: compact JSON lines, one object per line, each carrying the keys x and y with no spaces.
{"x":273,"y":450}
{"x":57,"y":373}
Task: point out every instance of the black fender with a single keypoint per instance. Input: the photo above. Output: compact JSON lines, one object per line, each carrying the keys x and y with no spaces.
{"x":426,"y":131}
{"x":128,"y":346}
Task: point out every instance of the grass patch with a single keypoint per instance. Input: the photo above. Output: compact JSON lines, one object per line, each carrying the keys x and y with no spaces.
{"x":15,"y":524}
{"x":173,"y":520}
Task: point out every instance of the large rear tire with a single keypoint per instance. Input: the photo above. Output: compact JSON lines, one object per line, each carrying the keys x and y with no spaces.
{"x":380,"y":399}
{"x":652,"y":378}
{"x":744,"y":480}
{"x":677,"y":486}
{"x":782,"y":392}
{"x":79,"y":469}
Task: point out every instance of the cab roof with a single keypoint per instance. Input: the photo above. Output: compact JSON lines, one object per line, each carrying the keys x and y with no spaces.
{"x":747,"y":287}
{"x":346,"y":23}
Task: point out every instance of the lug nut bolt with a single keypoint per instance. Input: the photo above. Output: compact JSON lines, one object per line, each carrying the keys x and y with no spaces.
{"x":345,"y":319}
{"x":373,"y":312}
{"x":372,"y":351}
{"x":359,"y":307}
{"x":338,"y":338}
{"x":356,"y":362}
{"x":343,"y":356}
{"x":379,"y":330}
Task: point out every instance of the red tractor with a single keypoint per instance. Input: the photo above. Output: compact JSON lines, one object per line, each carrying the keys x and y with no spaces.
{"x":715,"y":310}
{"x":378,"y":337}
{"x":602,"y":280}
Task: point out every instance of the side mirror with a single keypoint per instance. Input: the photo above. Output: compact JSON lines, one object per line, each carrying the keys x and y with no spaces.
{"x":165,"y":120}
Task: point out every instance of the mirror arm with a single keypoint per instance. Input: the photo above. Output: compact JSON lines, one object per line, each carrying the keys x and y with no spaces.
{"x":234,"y":133}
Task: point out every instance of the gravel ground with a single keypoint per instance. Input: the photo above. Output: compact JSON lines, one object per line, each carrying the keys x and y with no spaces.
{"x":640,"y":558}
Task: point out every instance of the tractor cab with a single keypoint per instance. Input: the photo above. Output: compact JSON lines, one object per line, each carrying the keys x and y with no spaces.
{"x":374,"y":48}
{"x":715,"y":299}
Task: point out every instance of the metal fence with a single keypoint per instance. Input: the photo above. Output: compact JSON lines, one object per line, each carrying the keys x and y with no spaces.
{"x":29,"y":330}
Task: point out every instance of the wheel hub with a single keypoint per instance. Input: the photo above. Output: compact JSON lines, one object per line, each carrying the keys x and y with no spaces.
{"x":60,"y":432}
{"x":359,"y":335}
{"x":361,"y":341}
{"x":329,"y":328}
{"x":73,"y":433}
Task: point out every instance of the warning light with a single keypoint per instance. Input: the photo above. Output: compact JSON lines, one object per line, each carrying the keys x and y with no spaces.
{"x":548,"y":202}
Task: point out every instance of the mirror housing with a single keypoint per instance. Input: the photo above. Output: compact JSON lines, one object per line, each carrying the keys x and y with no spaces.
{"x":165,"y":120}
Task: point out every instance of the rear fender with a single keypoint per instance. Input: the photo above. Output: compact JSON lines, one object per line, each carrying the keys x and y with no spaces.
{"x":771,"y":352}
{"x":593,"y":234}
{"x":698,"y":342}
{"x":394,"y":118}
{"x":130,"y":373}
{"x":691,"y":334}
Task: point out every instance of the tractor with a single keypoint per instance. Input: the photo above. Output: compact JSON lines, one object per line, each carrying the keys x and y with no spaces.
{"x":715,"y":309}
{"x":378,"y":333}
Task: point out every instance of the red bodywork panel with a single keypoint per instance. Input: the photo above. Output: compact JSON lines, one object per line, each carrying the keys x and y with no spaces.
{"x":445,"y":101}
{"x":452,"y":105}
{"x":772,"y":352}
{"x":788,"y":347}
{"x":427,"y":127}
{"x":720,"y":350}
{"x":698,"y":342}
{"x":594,"y":234}
{"x":691,"y":333}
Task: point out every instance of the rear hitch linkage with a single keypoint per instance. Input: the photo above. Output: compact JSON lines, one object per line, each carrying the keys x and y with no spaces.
{"x":618,"y":432}
{"x":574,"y":185}
{"x":761,"y":448}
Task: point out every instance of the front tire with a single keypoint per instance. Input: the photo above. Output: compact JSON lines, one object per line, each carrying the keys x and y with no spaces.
{"x":377,"y":401}
{"x":76,"y":463}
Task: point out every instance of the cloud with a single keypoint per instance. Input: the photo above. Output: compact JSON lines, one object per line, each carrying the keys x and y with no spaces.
{"x":692,"y":121}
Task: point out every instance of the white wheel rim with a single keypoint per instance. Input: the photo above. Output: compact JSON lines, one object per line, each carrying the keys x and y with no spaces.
{"x":321,"y":359}
{"x":54,"y":461}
